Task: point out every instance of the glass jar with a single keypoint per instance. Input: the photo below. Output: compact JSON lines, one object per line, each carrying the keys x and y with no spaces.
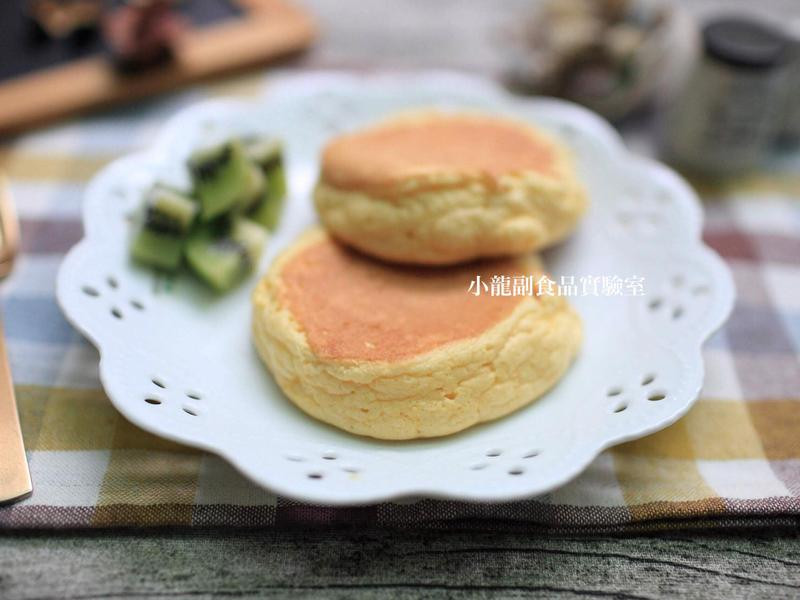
{"x":729,"y":110}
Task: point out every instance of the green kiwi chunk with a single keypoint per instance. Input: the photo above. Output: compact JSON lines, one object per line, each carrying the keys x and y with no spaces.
{"x":265,"y":152}
{"x":256,"y":188}
{"x":268,"y":211}
{"x":157,"y":249}
{"x":222,"y":178}
{"x":223,"y":256}
{"x":168,"y":211}
{"x":268,"y":154}
{"x":251,"y":237}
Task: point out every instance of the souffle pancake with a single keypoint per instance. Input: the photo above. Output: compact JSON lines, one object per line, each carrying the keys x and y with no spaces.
{"x":402,"y":352}
{"x":439,"y":188}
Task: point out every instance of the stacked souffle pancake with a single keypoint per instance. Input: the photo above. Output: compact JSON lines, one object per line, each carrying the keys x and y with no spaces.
{"x":384,"y":324}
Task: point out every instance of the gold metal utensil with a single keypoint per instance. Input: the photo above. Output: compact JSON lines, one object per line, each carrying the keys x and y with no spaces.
{"x":15,"y":479}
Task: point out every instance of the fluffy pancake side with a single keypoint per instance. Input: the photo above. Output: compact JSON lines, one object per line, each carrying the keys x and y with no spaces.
{"x":435,"y":188}
{"x":435,"y":389}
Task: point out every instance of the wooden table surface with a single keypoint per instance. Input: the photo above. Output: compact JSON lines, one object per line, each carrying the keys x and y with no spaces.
{"x":754,"y":563}
{"x":405,"y":564}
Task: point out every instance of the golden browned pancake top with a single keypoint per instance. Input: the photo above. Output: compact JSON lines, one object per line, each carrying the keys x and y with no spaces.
{"x":352,"y":307}
{"x":472,"y":145}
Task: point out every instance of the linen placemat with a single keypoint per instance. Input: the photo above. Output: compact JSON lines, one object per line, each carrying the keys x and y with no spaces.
{"x":734,"y":459}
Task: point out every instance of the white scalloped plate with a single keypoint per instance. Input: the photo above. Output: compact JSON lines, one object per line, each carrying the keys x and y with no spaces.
{"x":171,"y":342}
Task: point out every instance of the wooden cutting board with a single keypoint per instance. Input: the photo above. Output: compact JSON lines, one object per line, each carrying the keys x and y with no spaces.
{"x":266,"y":29}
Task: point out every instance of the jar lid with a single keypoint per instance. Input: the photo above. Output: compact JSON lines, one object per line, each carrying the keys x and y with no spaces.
{"x":745,"y":42}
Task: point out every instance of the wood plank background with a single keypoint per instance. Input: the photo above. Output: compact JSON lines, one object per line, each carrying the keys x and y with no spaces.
{"x":399,"y":565}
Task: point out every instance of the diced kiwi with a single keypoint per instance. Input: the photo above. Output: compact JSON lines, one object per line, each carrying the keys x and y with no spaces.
{"x":222,"y":178}
{"x":268,"y":154}
{"x":223,"y":259}
{"x":168,"y":216}
{"x":238,"y":190}
{"x":157,"y":249}
{"x":270,"y":159}
{"x":256,"y":188}
{"x":214,"y":259}
{"x":168,"y":211}
{"x":268,"y":212}
{"x":265,"y":152}
{"x":276,"y":181}
{"x":251,"y":237}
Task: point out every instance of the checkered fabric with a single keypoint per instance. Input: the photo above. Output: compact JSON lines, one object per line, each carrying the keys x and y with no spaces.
{"x":734,"y":459}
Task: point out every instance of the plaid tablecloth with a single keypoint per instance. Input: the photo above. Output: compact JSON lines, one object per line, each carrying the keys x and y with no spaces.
{"x":734,"y":459}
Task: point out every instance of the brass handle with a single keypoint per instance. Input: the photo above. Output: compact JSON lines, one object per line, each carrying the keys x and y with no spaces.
{"x":9,"y":230}
{"x":15,"y":479}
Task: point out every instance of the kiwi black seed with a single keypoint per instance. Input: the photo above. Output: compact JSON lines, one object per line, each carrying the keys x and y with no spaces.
{"x":220,"y":229}
{"x":205,"y":165}
{"x":169,"y":211}
{"x":223,"y":259}
{"x":267,"y":153}
{"x":223,"y":179}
